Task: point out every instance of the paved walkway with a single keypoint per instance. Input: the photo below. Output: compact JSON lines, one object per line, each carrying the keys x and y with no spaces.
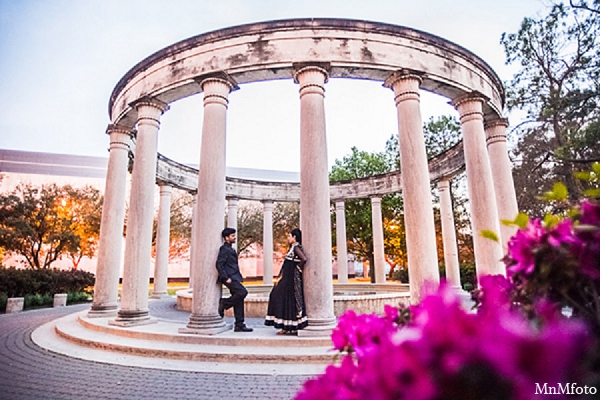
{"x":30,"y":372}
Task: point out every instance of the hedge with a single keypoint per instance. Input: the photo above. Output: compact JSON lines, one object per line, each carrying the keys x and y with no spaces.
{"x":21,"y":282}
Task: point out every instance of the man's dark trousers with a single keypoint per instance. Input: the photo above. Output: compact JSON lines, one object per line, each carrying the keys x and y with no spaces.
{"x":238,"y":294}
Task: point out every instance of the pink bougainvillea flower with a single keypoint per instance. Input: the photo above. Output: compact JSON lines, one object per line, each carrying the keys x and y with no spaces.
{"x":588,"y":247}
{"x":361,"y":333}
{"x":561,"y":234}
{"x":446,"y":352}
{"x":521,"y":246}
{"x":391,"y":313}
{"x":495,"y":293}
{"x":590,"y":213}
{"x":336,"y":384}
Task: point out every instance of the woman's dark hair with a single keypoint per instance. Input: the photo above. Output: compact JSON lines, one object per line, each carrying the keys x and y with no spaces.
{"x":297,"y":234}
{"x":227,"y":231}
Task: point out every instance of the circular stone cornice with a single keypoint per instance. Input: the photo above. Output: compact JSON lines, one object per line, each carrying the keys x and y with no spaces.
{"x":443,"y":166}
{"x":268,"y":50}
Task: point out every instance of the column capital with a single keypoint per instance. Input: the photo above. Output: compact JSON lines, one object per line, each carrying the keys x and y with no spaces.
{"x":495,"y":130}
{"x":149,"y":102}
{"x":402,"y":75}
{"x":311,"y":78}
{"x":120,"y":136}
{"x":340,"y":204}
{"x":494,"y":122}
{"x":469,"y":97}
{"x":375,"y":199}
{"x":443,"y":184}
{"x":405,"y":84}
{"x":220,"y":76}
{"x":116,"y":128}
{"x":232,"y":199}
{"x":267,"y":204}
{"x":302,"y":67}
{"x":469,"y":106}
{"x":165,"y":188}
{"x":216,"y":88}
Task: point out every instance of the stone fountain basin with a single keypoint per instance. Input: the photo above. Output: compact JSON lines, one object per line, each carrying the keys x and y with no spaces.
{"x":363,"y":298}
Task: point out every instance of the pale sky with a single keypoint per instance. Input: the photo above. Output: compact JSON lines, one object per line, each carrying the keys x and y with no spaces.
{"x":60,"y":60}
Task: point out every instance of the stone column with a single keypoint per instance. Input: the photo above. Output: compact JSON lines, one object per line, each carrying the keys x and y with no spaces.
{"x":340,"y":237}
{"x":449,"y":235}
{"x":110,"y":245}
{"x":378,"y":250}
{"x":138,"y":241}
{"x":232,"y":209}
{"x":193,"y":239}
{"x":209,"y":218}
{"x":267,"y":242}
{"x":482,"y":199}
{"x":418,"y":207}
{"x":163,"y":227}
{"x":504,"y":186}
{"x":314,"y":201}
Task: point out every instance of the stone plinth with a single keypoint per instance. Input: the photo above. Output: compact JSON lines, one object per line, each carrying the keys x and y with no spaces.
{"x":362,"y":298}
{"x":15,"y":304}
{"x":60,"y":300}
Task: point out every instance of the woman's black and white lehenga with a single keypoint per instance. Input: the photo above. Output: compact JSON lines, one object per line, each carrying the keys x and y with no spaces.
{"x":287,"y":310}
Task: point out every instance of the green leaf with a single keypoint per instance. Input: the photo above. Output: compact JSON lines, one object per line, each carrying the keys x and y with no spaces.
{"x":594,"y":193}
{"x":596,"y":168}
{"x":521,"y":220}
{"x":583,"y":176}
{"x":551,"y":220}
{"x":489,"y":235}
{"x":559,"y":193}
{"x":572,"y":212}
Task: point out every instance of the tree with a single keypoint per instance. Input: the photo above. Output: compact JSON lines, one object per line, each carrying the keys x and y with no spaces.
{"x":286,"y":216}
{"x":440,"y":134}
{"x":594,"y":8}
{"x":359,"y":227}
{"x":180,"y":229}
{"x":38,"y":223}
{"x":557,"y":87}
{"x":249,"y":226}
{"x":83,"y":207}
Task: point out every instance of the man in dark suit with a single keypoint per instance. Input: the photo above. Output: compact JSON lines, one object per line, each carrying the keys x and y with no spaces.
{"x":230,"y":276}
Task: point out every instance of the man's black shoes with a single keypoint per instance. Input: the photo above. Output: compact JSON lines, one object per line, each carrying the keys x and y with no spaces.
{"x":221,"y":308}
{"x":242,"y":328}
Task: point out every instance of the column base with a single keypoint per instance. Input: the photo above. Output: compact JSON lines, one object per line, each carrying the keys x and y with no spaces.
{"x":159,"y":295}
{"x":128,"y":318}
{"x":103,"y":311}
{"x":319,"y":327}
{"x":206,"y":325}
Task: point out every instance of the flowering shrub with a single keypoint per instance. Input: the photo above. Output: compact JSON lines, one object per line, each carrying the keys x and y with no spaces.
{"x":445,"y":352}
{"x":518,"y":338}
{"x":559,"y":261}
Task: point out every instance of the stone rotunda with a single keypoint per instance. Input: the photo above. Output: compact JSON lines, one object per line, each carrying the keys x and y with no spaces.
{"x":307,"y":52}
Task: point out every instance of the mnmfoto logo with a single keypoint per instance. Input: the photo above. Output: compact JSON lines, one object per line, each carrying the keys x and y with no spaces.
{"x":567,"y":388}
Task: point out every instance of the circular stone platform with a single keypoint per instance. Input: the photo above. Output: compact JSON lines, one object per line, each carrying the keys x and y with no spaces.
{"x":159,"y":345}
{"x":362,"y":298}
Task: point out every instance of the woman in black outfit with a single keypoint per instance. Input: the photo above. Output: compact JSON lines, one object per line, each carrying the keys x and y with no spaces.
{"x":287,"y":310}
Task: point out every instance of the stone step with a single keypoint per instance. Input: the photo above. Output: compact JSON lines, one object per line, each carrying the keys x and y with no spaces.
{"x":161,"y":340}
{"x":168,"y":331}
